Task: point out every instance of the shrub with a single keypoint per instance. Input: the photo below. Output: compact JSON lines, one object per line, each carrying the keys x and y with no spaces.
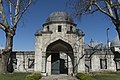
{"x":29,"y":78}
{"x":35,"y":76}
{"x":82,"y":76}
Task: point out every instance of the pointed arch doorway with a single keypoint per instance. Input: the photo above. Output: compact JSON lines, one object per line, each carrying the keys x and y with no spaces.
{"x":59,"y":58}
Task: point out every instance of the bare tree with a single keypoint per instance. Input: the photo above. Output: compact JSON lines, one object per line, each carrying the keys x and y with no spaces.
{"x":111,"y":8}
{"x":11,"y":12}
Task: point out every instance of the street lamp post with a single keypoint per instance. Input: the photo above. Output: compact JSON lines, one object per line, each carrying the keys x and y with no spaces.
{"x":107,"y":37}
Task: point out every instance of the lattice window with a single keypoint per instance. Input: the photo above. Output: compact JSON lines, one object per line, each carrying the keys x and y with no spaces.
{"x":103,"y":63}
{"x":30,"y":63}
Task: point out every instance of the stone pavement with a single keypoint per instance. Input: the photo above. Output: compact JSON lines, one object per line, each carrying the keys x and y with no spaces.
{"x":59,"y":77}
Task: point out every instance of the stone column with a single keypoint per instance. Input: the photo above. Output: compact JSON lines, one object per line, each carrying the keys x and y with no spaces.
{"x":44,"y":64}
{"x":38,"y":54}
{"x":70,"y":66}
{"x":80,"y":60}
{"x":75,"y":64}
{"x":80,"y":64}
{"x":48,"y":67}
{"x":79,"y":54}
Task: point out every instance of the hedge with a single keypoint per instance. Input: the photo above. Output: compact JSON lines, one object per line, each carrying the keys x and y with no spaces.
{"x":83,"y":76}
{"x":35,"y":76}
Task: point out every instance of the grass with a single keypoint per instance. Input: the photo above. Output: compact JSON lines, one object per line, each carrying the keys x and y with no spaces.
{"x":107,"y":76}
{"x":97,"y":76}
{"x":13,"y":76}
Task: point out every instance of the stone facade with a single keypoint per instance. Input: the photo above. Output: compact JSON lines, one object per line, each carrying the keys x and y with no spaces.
{"x":59,"y":49}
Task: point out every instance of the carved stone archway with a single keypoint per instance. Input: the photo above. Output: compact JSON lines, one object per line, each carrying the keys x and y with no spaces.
{"x":59,"y":58}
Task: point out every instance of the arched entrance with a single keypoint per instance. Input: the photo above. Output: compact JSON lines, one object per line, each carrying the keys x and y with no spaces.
{"x":60,"y":58}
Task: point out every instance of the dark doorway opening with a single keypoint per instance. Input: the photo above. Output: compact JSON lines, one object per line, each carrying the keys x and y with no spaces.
{"x":55,"y":63}
{"x":63,"y":68}
{"x":58,"y":65}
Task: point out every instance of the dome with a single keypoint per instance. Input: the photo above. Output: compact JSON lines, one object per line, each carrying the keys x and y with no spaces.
{"x":38,"y":32}
{"x":115,"y":42}
{"x":59,"y":17}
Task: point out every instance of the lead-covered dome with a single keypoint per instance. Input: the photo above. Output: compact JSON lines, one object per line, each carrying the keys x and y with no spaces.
{"x":59,"y":17}
{"x":115,"y":42}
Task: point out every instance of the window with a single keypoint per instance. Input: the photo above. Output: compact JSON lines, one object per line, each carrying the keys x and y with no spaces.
{"x":30,"y":63}
{"x":59,"y":28}
{"x":118,"y":65}
{"x":15,"y":63}
{"x":71,"y":29}
{"x":47,"y":28}
{"x":0,"y":56}
{"x":103,"y":63}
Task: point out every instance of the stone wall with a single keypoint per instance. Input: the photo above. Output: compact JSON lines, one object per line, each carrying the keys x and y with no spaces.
{"x":99,"y":60}
{"x":23,"y":61}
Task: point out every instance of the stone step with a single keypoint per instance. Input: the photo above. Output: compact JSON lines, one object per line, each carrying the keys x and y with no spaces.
{"x":59,"y":77}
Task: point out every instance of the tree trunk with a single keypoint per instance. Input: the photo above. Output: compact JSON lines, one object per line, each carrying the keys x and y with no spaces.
{"x":118,"y":31}
{"x":6,"y":55}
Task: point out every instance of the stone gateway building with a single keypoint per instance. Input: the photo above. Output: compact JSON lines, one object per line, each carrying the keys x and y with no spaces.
{"x":59,"y":46}
{"x":59,"y":49}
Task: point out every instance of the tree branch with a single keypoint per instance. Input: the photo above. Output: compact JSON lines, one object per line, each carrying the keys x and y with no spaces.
{"x":91,"y":12}
{"x":109,"y":8}
{"x":118,"y":2}
{"x":14,"y":27}
{"x":104,"y":11}
{"x":17,"y":11}
{"x":3,"y":14}
{"x":10,"y":1}
{"x":2,"y":26}
{"x":116,"y":13}
{"x":11,"y":19}
{"x":24,"y":10}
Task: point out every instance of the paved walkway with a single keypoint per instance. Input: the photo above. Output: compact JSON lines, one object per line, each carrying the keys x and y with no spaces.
{"x":59,"y":77}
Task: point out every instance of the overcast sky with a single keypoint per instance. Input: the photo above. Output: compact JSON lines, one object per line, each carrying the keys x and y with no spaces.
{"x":94,"y":26}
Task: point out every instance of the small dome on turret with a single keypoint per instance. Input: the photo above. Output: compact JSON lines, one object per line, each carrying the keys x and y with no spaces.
{"x":38,"y":32}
